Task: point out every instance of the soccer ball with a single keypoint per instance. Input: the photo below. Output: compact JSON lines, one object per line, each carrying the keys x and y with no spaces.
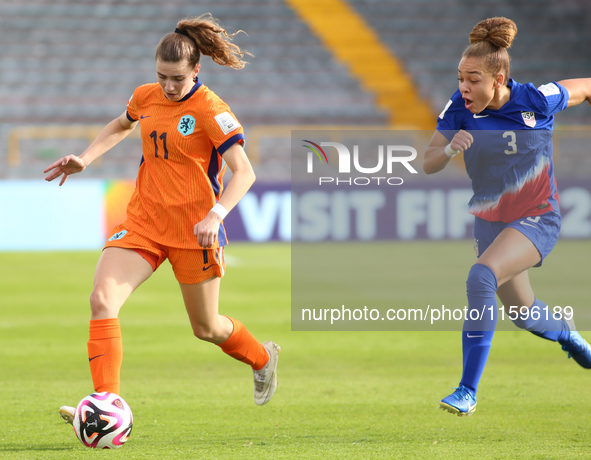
{"x":103,"y":421}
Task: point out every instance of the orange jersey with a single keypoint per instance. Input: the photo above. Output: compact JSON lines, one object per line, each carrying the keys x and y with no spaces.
{"x":181,"y":171}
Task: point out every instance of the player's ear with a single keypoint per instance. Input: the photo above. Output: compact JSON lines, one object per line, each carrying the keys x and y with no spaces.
{"x":499,"y":80}
{"x":196,"y":70}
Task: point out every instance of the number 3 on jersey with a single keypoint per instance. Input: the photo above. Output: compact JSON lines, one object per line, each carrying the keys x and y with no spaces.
{"x":512,"y":142}
{"x":154,"y":135}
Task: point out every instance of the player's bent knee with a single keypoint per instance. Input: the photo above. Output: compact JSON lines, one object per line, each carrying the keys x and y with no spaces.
{"x":481,"y":277}
{"x":100,"y":306}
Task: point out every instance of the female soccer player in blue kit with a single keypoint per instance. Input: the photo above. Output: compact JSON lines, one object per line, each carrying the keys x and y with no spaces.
{"x":504,"y":129}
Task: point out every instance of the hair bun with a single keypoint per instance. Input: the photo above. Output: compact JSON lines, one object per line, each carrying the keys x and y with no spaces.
{"x":498,"y":31}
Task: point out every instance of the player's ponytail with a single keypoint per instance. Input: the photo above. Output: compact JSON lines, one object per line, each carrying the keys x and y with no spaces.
{"x":201,"y":35}
{"x":489,"y":40}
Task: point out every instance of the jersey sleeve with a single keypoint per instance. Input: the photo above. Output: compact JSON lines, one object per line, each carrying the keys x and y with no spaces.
{"x":549,"y":98}
{"x":132,"y":108}
{"x":450,"y":120}
{"x":222,"y":127}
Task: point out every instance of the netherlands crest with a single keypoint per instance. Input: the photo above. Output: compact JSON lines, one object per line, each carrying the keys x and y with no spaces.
{"x":186,"y":125}
{"x":529,"y":118}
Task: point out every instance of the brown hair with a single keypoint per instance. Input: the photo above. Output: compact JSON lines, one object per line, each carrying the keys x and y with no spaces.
{"x":201,"y":35}
{"x":490,"y":40}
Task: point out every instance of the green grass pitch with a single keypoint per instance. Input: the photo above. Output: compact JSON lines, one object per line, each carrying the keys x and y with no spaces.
{"x":341,"y":395}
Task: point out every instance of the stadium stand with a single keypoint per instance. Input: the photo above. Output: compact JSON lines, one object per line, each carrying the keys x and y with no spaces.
{"x":429,"y":37}
{"x":70,"y":62}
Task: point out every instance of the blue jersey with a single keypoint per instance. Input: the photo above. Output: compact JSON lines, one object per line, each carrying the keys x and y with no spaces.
{"x":510,"y":161}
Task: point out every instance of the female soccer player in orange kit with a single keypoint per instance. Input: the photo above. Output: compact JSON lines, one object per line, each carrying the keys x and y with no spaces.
{"x":189,"y":135}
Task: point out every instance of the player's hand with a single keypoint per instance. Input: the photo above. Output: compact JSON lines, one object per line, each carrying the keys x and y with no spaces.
{"x":462,"y":140}
{"x":207,"y":230}
{"x":66,"y":166}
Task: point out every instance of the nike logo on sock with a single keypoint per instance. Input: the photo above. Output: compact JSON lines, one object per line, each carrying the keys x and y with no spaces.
{"x":90,"y":359}
{"x":473,"y":336}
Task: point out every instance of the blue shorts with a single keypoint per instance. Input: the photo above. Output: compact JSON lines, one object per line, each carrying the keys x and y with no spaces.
{"x":542,"y":231}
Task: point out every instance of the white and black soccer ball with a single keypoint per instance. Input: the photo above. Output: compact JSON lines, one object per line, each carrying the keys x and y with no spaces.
{"x":103,"y":421}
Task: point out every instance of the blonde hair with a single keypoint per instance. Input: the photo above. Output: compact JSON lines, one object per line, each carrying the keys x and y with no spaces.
{"x":489,"y":40}
{"x":197,"y":36}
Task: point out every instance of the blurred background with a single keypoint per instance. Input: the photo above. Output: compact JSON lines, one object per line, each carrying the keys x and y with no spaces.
{"x":68,"y":67}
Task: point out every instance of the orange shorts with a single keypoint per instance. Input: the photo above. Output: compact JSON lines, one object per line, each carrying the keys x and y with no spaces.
{"x":190,"y":266}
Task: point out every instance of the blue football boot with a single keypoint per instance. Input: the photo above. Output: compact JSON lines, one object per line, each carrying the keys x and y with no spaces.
{"x":460,"y":402}
{"x":577,"y":347}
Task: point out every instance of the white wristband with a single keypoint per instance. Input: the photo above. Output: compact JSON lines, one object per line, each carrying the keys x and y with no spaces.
{"x":220,"y":210}
{"x":451,"y":152}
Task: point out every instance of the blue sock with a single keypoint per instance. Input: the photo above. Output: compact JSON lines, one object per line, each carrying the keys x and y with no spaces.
{"x":477,"y":333}
{"x":550,"y":328}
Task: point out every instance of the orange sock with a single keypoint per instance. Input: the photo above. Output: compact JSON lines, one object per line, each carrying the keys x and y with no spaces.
{"x":105,"y":354}
{"x":242,"y":346}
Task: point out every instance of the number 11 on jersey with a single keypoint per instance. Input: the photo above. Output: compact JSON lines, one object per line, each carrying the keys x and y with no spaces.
{"x":154,"y":135}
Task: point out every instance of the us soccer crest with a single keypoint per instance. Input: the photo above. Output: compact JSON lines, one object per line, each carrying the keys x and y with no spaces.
{"x":529,"y":118}
{"x":186,"y":125}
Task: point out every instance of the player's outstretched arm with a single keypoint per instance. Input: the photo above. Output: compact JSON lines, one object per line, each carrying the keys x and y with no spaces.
{"x":440,"y":150}
{"x":111,"y":135}
{"x":242,"y":178}
{"x":579,"y":90}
